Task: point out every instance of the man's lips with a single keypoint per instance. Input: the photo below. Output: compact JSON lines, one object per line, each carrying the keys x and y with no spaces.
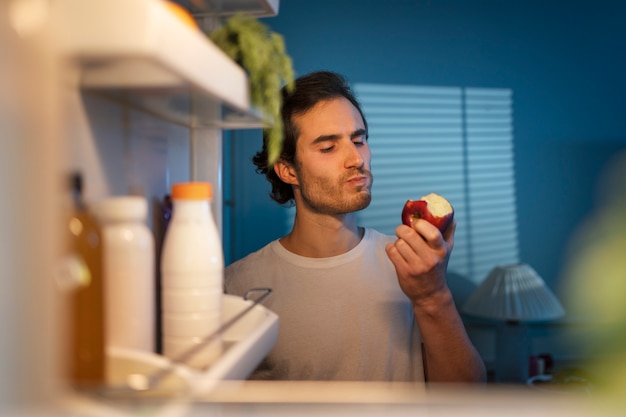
{"x":359,"y":180}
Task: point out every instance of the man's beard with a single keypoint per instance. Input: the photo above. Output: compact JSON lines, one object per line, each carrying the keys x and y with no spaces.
{"x":328,"y":197}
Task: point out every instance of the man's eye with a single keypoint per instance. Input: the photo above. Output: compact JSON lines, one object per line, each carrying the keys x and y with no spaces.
{"x":327,"y":149}
{"x":360,"y":141}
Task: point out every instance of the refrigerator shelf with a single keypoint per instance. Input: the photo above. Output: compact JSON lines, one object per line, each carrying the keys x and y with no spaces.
{"x":139,"y":53}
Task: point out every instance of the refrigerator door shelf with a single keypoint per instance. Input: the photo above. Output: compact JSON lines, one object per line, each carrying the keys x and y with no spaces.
{"x":246,"y":343}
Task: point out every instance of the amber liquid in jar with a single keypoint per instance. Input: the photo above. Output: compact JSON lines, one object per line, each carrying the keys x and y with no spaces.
{"x":86,"y":300}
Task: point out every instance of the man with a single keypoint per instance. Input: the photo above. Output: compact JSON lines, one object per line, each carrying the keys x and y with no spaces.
{"x":353,"y":304}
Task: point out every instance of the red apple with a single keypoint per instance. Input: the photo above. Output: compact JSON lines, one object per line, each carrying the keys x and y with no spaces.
{"x":432,"y":207}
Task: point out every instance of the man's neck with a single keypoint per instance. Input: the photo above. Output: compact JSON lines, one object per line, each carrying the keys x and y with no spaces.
{"x":323,"y":236}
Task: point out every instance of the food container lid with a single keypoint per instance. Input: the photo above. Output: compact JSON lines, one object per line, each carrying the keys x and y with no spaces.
{"x":192,"y":191}
{"x":121,"y":208}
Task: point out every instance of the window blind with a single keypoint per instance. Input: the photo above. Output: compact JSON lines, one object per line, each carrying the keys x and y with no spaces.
{"x":457,"y":142}
{"x":490,"y":180}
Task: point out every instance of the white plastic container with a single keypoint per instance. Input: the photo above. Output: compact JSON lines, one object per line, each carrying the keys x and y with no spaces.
{"x":192,"y":270}
{"x":129,"y":272}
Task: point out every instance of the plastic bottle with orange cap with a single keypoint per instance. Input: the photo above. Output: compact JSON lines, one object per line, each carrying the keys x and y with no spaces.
{"x":192,"y":268}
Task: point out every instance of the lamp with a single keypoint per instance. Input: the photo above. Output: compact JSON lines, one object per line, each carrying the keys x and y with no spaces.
{"x":513,"y":294}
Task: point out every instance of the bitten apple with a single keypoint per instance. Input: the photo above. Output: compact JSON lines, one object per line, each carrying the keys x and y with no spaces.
{"x":432,"y":207}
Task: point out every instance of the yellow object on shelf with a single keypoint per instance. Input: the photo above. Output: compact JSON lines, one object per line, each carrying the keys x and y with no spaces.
{"x":181,"y":13}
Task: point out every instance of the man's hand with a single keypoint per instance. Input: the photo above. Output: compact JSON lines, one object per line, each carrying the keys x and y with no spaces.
{"x":420,"y":256}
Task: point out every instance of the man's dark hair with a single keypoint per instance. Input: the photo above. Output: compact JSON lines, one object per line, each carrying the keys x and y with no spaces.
{"x":308,"y":90}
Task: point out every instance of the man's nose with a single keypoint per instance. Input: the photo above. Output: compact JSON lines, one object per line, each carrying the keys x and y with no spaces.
{"x":354,"y":159}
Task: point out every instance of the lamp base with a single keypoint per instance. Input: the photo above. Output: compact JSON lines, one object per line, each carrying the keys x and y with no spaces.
{"x":512,"y":350}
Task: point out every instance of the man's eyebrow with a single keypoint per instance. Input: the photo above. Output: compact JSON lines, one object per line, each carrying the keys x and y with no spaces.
{"x":326,"y":138}
{"x":359,"y":132}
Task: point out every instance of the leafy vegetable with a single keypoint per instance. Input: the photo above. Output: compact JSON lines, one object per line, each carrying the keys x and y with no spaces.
{"x":262,"y":54}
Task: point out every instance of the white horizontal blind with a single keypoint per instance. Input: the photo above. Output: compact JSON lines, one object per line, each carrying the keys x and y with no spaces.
{"x":455,"y":142}
{"x":490,"y":179}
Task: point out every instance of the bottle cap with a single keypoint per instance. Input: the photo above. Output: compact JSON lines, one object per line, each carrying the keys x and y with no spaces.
{"x":192,"y":191}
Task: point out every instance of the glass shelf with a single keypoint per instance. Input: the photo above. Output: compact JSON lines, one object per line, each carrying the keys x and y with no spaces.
{"x":183,"y":106}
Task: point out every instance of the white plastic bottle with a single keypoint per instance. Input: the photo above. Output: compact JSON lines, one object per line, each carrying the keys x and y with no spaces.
{"x":129,"y":272}
{"x":192,"y":269}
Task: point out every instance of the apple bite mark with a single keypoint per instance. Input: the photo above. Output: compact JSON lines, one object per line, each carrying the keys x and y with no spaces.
{"x":432,"y":207}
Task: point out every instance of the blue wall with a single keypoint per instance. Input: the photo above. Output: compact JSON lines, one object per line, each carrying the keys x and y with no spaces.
{"x":564,"y":61}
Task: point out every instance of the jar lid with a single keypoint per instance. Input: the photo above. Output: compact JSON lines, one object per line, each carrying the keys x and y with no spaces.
{"x":121,"y":208}
{"x":192,"y":191}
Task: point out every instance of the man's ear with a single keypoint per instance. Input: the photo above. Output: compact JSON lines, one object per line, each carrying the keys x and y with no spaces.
{"x":285,"y":172}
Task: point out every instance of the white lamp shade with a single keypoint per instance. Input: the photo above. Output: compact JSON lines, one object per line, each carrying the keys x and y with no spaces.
{"x":513,"y":293}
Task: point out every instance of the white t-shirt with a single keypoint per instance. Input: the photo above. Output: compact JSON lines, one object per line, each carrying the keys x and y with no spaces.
{"x":340,"y":318}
